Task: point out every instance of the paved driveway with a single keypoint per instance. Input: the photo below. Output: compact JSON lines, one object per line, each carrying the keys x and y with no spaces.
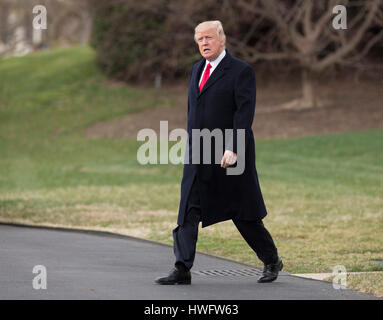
{"x":91,"y":265}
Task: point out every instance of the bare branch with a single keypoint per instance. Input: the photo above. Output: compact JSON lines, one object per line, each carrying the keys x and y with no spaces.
{"x":346,"y":49}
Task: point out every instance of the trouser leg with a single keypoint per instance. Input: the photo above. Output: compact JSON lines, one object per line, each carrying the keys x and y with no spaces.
{"x":185,"y":235}
{"x":185,"y":239}
{"x":259,"y":239}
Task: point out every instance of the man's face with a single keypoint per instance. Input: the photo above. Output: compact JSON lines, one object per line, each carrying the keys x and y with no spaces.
{"x":209,"y":44}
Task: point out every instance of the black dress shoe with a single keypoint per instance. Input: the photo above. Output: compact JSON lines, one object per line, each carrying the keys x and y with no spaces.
{"x":176,"y":276}
{"x":270,"y":271}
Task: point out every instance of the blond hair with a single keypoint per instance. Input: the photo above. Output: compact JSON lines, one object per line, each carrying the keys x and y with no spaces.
{"x":207,"y":25}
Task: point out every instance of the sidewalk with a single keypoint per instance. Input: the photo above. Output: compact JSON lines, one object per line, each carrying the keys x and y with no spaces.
{"x":92,"y":265}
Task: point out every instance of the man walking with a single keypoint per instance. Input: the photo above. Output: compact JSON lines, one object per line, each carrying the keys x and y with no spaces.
{"x":222,"y":96}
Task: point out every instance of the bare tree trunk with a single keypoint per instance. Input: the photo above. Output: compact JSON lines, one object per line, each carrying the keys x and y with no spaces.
{"x":4,"y":32}
{"x":308,"y":89}
{"x":309,"y":98}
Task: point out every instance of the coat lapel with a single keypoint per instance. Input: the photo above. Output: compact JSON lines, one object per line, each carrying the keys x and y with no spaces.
{"x":198,"y":75}
{"x":218,"y":73}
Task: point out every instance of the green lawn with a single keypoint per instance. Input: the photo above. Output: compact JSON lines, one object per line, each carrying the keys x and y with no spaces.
{"x":324,"y":194}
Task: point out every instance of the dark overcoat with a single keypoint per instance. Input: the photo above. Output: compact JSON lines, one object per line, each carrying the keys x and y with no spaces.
{"x":227,"y":101}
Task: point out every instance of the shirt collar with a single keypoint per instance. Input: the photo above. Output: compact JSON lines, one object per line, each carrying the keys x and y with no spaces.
{"x":215,"y":62}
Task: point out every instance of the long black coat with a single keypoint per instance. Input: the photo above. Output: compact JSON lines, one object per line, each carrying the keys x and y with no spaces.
{"x":227,"y":101}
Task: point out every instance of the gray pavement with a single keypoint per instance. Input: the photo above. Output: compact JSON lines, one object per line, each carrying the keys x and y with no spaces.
{"x":91,"y":265}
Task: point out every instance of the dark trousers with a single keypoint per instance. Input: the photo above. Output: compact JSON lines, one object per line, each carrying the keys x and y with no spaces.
{"x":185,"y":236}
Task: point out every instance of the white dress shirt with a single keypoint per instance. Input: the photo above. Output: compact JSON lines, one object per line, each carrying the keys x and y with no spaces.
{"x":213,"y":64}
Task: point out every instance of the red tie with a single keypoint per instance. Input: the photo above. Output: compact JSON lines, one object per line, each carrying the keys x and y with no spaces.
{"x":205,"y":76}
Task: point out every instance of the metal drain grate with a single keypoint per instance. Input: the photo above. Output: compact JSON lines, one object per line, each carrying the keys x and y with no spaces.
{"x":378,"y":262}
{"x":229,"y":273}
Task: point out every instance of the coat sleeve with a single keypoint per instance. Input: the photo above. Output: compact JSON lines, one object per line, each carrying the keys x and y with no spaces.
{"x":189,"y":136}
{"x":245,"y":97}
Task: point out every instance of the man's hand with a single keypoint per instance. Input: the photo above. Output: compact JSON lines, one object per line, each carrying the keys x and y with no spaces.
{"x":228,"y":159}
